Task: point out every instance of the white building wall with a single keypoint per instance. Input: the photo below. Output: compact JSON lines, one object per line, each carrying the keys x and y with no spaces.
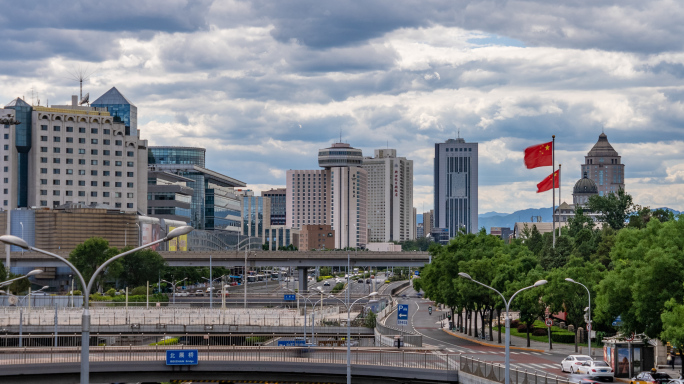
{"x":307,"y":197}
{"x":8,"y":178}
{"x":348,"y":206}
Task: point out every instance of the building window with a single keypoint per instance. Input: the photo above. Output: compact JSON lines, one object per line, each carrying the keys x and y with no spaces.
{"x":70,"y":150}
{"x":93,"y":141}
{"x":55,"y":193}
{"x":43,"y":181}
{"x":55,"y":182}
{"x":43,"y":138}
{"x":129,"y":174}
{"x":117,"y":205}
{"x":43,"y":203}
{"x":105,"y":132}
{"x":81,"y":151}
{"x":117,"y":194}
{"x":93,"y":151}
{"x":81,"y":161}
{"x":81,"y":193}
{"x":118,"y":142}
{"x":130,"y":154}
{"x":69,"y":139}
{"x":70,"y":129}
{"x":81,"y":183}
{"x":93,"y":194}
{"x":93,"y":162}
{"x":93,"y":131}
{"x":55,"y":160}
{"x":81,"y":130}
{"x":43,"y":127}
{"x":105,"y":194}
{"x":129,"y":164}
{"x":81,"y":172}
{"x":55,"y":171}
{"x":43,"y":159}
{"x":117,"y":184}
{"x":70,"y":161}
{"x":105,"y":162}
{"x":117,"y":173}
{"x":81,"y":140}
{"x":117,"y":163}
{"x":43,"y":192}
{"x":56,"y":139}
{"x":129,"y":195}
{"x":117,"y":153}
{"x":105,"y":152}
{"x":129,"y":205}
{"x":105,"y":141}
{"x":69,"y":193}
{"x":105,"y":173}
{"x":43,"y":149}
{"x":105,"y":183}
{"x":69,"y":182}
{"x":129,"y":185}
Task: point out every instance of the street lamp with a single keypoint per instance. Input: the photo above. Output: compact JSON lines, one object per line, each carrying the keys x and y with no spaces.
{"x":33,"y":272}
{"x":85,"y":319}
{"x":211,"y":289}
{"x":30,"y":294}
{"x":306,"y":298}
{"x":588,"y":312}
{"x":349,"y":307}
{"x":508,"y":318}
{"x":174,"y":287}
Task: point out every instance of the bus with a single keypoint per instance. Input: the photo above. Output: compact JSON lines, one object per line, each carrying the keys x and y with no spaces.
{"x":260,"y":277}
{"x":251,"y":279}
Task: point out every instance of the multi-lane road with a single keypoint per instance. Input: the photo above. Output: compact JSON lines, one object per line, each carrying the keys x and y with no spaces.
{"x":429,"y":326}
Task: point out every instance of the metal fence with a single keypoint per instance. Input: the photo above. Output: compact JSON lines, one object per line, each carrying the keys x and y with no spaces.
{"x":157,"y":353}
{"x":495,"y":372}
{"x":43,"y":301}
{"x":12,"y":316}
{"x":187,"y":340}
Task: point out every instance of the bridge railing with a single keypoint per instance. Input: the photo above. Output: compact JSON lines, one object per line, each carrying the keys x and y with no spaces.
{"x":9,"y":342}
{"x":45,"y":316}
{"x":416,"y":360}
{"x":495,"y":372}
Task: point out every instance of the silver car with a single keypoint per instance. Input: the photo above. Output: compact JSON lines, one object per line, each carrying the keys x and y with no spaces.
{"x":572,"y":362}
{"x":596,"y":369}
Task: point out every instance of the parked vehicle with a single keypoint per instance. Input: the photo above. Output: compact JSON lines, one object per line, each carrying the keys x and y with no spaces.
{"x":596,"y":369}
{"x":199,"y":292}
{"x":360,"y":281}
{"x":368,"y":281}
{"x":572,"y":362}
{"x":326,"y":284}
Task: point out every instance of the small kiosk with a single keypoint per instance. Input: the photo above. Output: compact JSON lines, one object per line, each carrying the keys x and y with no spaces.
{"x":628,"y":355}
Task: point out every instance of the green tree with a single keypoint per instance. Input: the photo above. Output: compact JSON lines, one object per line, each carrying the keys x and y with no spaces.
{"x":535,"y":242}
{"x":19,"y":286}
{"x":614,"y":208}
{"x":528,"y":302}
{"x":579,"y":222}
{"x":142,"y":266}
{"x":90,"y":255}
{"x":673,"y":323}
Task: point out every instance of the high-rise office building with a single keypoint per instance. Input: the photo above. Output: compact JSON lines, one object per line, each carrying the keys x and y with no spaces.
{"x":604,"y":166}
{"x":335,"y":195}
{"x":278,"y":205}
{"x":455,"y":187}
{"x":390,"y":196}
{"x":428,"y":221}
{"x":72,"y":154}
{"x":214,"y":204}
{"x":168,"y":196}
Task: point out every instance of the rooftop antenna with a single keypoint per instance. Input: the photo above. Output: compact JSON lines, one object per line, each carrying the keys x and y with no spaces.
{"x":81,"y":74}
{"x":459,"y":133}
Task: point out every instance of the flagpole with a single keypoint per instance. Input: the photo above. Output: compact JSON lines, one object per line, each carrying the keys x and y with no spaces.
{"x":560,"y":200}
{"x":553,"y":186}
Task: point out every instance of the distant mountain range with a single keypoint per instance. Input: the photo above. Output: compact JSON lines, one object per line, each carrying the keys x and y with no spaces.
{"x":496,"y":219}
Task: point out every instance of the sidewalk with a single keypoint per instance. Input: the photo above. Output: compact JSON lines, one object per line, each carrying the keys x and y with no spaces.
{"x":520,"y":343}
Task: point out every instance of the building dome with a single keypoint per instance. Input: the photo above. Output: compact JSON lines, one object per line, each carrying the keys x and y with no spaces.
{"x":585,"y":185}
{"x":602,"y":148}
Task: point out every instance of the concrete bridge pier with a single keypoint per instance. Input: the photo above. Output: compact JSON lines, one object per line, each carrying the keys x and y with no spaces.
{"x":303,"y":279}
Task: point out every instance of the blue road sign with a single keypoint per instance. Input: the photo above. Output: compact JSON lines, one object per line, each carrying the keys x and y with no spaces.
{"x":291,"y":343}
{"x":402,"y":314}
{"x":417,"y":273}
{"x":290,"y":297}
{"x":617,"y":322}
{"x":181,"y":357}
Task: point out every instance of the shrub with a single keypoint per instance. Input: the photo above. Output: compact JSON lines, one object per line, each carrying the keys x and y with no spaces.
{"x":568,"y":338}
{"x":370,"y":320}
{"x":522,"y":328}
{"x":539,"y":332}
{"x":337,"y":288}
{"x":515,"y":323}
{"x":111,"y":292}
{"x":142,"y":290}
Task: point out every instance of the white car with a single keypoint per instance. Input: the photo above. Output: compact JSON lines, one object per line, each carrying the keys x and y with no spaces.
{"x":596,"y":369}
{"x":572,"y":362}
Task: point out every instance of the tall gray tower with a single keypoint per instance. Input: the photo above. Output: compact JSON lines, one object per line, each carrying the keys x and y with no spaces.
{"x":456,"y":186}
{"x":604,"y":166}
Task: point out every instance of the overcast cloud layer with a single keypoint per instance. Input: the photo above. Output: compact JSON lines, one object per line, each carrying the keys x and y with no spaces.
{"x":264,"y":84}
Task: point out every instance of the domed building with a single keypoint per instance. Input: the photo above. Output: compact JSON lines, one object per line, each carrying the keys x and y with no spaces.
{"x":603,"y":165}
{"x":583,"y":189}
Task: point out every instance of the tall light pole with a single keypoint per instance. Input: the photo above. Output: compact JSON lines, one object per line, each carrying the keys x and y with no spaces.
{"x":349,"y":307}
{"x":588,"y":312}
{"x":507,"y":367}
{"x":211,"y":290}
{"x":313,"y":306}
{"x":85,"y":319}
{"x":173,"y":285}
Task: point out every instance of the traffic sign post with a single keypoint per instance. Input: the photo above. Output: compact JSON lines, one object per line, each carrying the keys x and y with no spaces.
{"x":289,"y":297}
{"x":402,"y":314}
{"x":181,"y":357}
{"x":549,"y":322}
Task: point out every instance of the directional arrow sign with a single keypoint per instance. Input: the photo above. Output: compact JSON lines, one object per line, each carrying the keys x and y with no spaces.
{"x":402,"y":314}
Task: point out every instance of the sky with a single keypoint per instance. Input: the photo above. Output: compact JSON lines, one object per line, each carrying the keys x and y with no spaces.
{"x":262,"y":85}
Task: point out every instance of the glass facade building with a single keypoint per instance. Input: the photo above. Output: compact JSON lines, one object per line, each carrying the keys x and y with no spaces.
{"x":121,"y":108}
{"x":176,"y":155}
{"x":22,"y":112}
{"x":222,"y":209}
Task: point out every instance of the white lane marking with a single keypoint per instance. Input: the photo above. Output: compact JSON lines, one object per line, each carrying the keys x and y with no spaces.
{"x":536,"y":353}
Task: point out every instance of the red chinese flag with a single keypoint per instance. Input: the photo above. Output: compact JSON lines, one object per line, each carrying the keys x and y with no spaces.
{"x":546,"y":184}
{"x":539,"y":155}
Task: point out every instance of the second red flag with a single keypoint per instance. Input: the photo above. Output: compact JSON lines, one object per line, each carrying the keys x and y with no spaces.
{"x":547,"y":183}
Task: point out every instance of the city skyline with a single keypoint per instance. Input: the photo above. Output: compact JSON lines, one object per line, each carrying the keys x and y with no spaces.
{"x":262,"y":90}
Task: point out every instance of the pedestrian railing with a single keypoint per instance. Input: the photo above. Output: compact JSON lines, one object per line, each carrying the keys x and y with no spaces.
{"x":157,"y":353}
{"x":496,"y":372}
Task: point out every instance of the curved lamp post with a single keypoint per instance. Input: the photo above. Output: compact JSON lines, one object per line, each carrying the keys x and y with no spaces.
{"x":174,"y":287}
{"x":349,"y":307}
{"x":507,"y":366}
{"x":85,"y":319}
{"x":588,"y":312}
{"x":33,"y":272}
{"x":306,"y":298}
